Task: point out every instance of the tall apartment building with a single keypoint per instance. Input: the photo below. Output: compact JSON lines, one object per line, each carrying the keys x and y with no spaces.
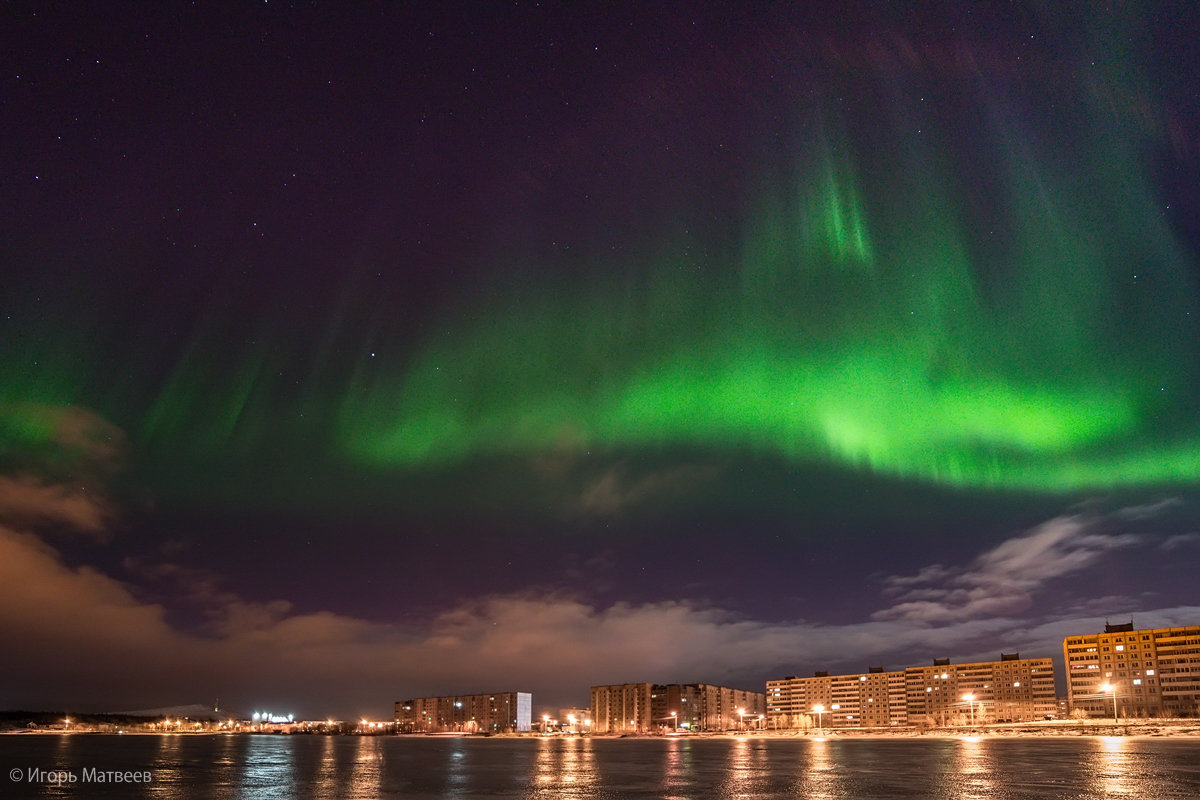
{"x":1154,"y":672}
{"x":621,"y":708}
{"x":498,"y":712}
{"x":645,"y":707}
{"x":872,"y":699}
{"x":1011,"y":689}
{"x":705,"y":707}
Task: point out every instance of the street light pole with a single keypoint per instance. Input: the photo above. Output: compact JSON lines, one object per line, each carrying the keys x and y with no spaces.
{"x":819,"y":709}
{"x":970,"y":698}
{"x":1112,"y":687}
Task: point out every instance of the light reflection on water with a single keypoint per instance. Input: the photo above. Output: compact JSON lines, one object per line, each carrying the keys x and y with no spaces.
{"x":972,"y":775}
{"x":564,"y":768}
{"x":818,"y":780}
{"x":168,"y":766}
{"x":268,"y":767}
{"x":685,"y":768}
{"x":678,"y":769}
{"x":1114,"y":774}
{"x":325,"y":772}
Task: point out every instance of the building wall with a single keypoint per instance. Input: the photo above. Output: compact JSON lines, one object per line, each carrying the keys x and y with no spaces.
{"x":873,"y":699}
{"x":643,"y":707}
{"x":723,"y":708}
{"x":621,"y":708}
{"x":1011,"y":689}
{"x":1156,"y":671}
{"x":498,"y":712}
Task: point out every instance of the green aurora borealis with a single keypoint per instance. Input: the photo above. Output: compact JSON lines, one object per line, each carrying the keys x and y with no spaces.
{"x":856,"y":327}
{"x":889,"y":300}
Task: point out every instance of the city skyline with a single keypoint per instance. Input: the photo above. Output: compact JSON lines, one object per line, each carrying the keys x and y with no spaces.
{"x":353,"y":354}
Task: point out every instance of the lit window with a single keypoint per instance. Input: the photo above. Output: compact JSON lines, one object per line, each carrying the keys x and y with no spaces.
{"x":1120,"y":647}
{"x":1149,"y":672}
{"x":1137,"y":681}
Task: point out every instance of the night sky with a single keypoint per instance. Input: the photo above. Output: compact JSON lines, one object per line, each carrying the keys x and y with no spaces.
{"x":353,"y":354}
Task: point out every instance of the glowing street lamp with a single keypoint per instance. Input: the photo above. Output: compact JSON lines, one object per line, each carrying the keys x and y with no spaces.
{"x":741,"y":718}
{"x":1111,"y":687}
{"x":970,"y":698}
{"x":675,"y":720}
{"x":819,"y":709}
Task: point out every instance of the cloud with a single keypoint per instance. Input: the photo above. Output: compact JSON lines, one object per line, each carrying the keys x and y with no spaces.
{"x":1002,"y":580}
{"x":63,"y":440}
{"x":1149,"y":510}
{"x":85,"y":636}
{"x":1180,"y":540}
{"x":61,"y":455}
{"x":28,"y":501}
{"x":613,"y":491}
{"x":84,"y":639}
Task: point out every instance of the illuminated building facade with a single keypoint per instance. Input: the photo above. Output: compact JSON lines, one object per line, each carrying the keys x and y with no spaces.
{"x":872,"y":699}
{"x":499,"y":712}
{"x":621,"y":708}
{"x":705,"y":707}
{"x":1153,"y":672}
{"x":1012,"y":689}
{"x":647,"y":707}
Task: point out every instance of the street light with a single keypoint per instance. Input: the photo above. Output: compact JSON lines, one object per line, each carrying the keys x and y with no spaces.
{"x":970,"y":698}
{"x":675,"y":720}
{"x":1111,"y":687}
{"x":741,"y":718}
{"x":819,"y":709}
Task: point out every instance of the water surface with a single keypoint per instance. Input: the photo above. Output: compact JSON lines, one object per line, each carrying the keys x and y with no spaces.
{"x":198,"y":766}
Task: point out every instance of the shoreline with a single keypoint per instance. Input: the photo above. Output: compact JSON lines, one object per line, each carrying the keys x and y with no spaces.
{"x":1073,"y":729}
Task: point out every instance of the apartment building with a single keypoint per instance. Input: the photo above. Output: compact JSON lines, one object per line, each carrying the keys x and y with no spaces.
{"x":646,"y":707}
{"x":1147,"y":673}
{"x":1011,"y":689}
{"x":706,"y":707}
{"x":621,"y":708}
{"x":497,"y":712}
{"x":871,"y":699}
